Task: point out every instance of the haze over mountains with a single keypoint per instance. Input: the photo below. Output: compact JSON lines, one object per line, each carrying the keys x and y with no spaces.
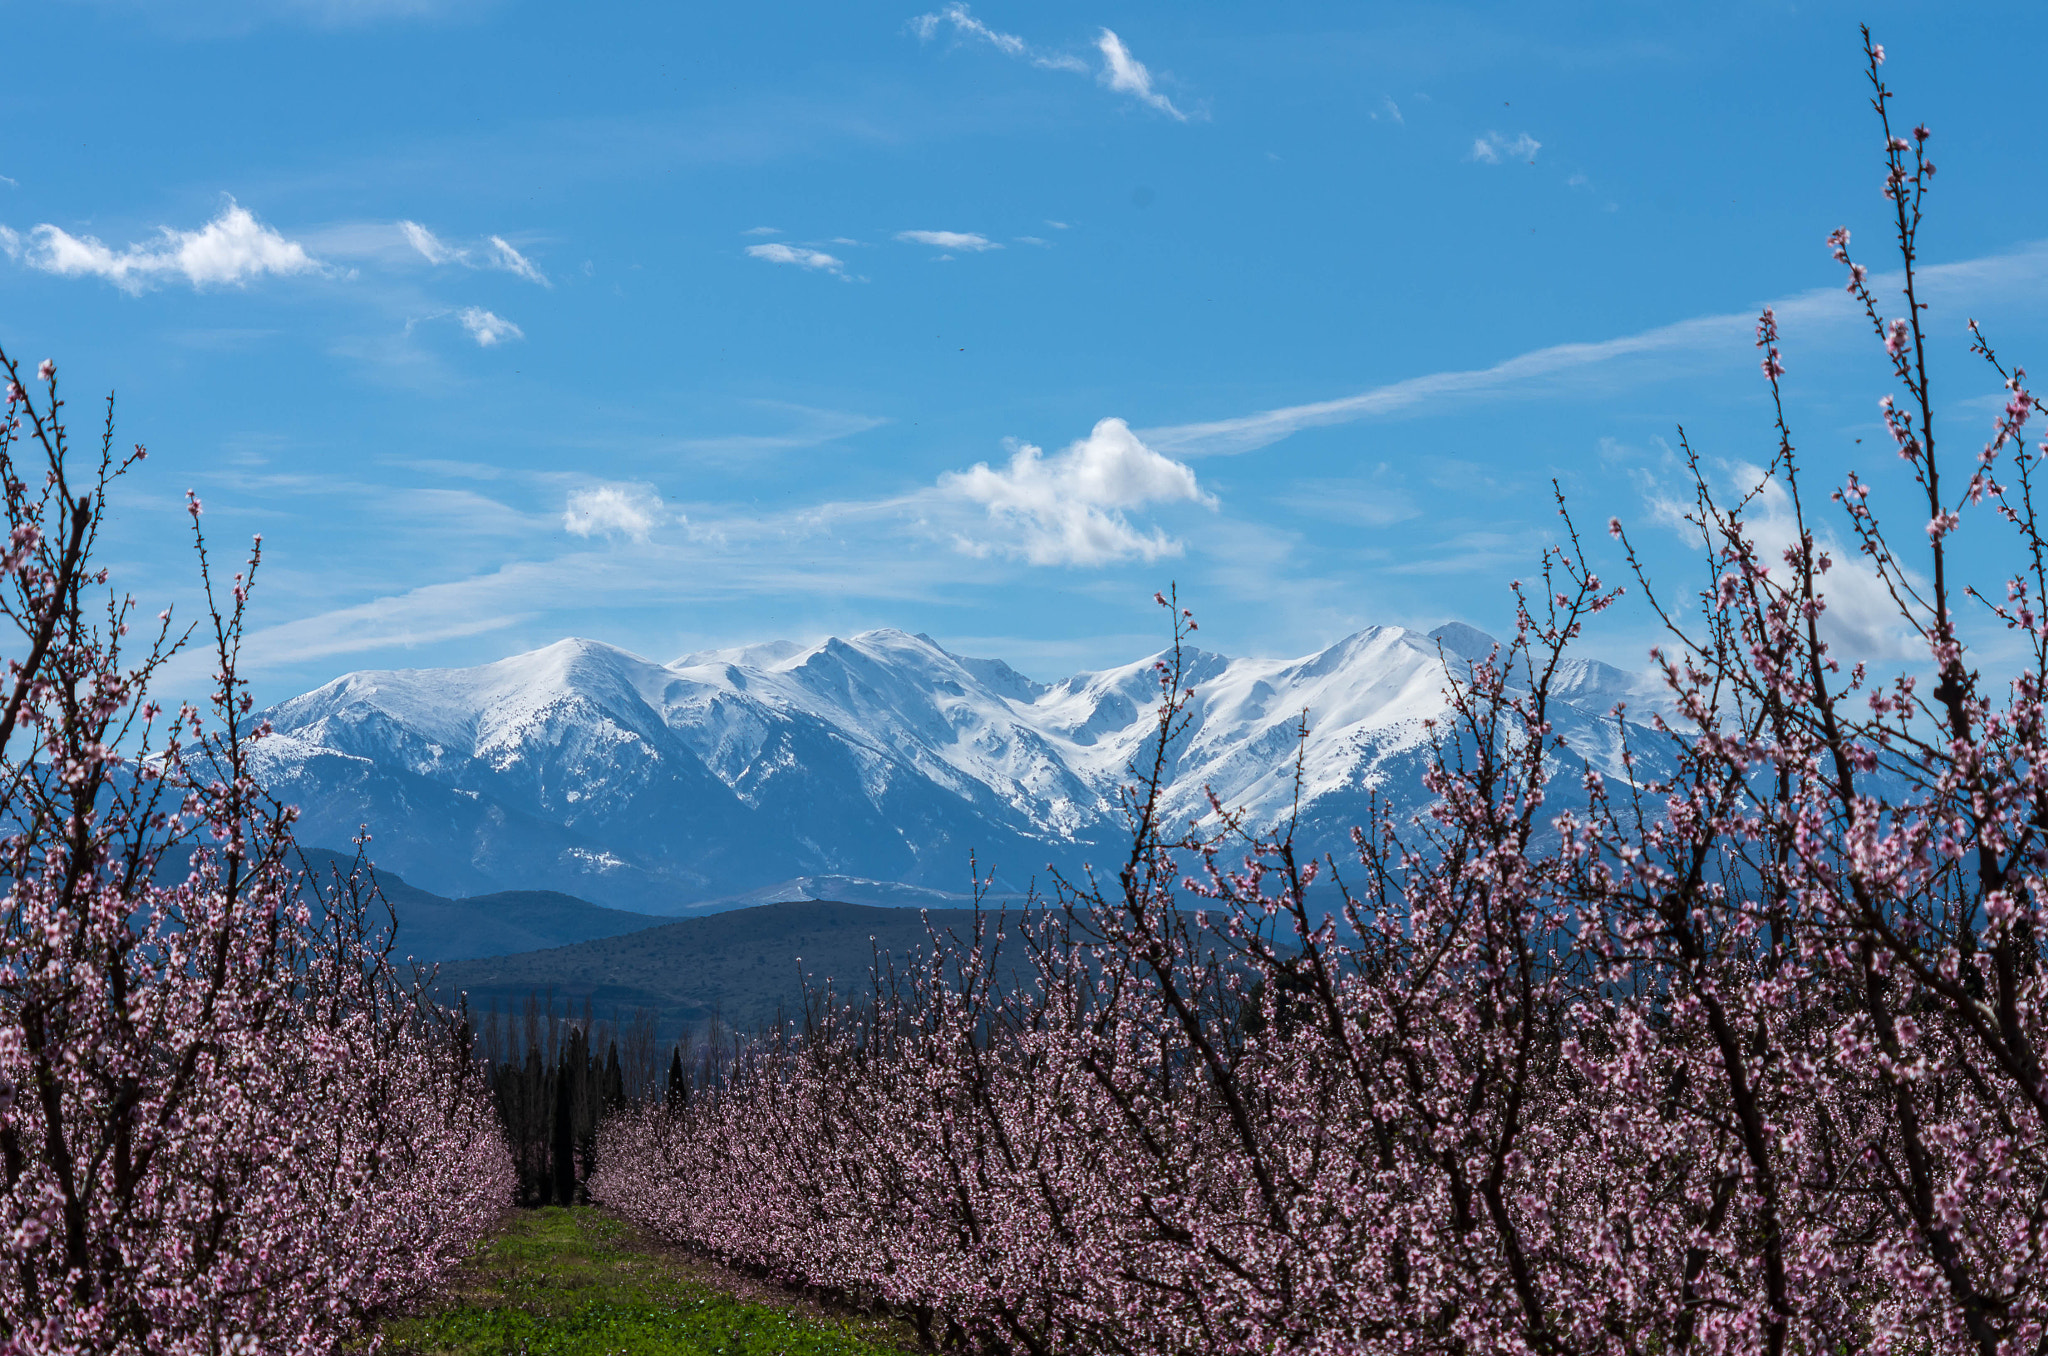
{"x":862,"y":769}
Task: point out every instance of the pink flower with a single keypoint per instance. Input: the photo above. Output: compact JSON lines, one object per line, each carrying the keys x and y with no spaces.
{"x":45,"y":370}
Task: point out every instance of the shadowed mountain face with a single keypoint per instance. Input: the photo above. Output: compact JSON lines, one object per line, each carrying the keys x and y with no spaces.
{"x":432,"y":928}
{"x":869,"y":767}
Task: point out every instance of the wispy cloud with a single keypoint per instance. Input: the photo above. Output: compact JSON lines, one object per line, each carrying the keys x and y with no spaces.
{"x":1068,"y":509}
{"x":1120,"y":71}
{"x":812,"y":428}
{"x":927,"y":26}
{"x":969,"y":241}
{"x":487,"y":327}
{"x":965,"y":26}
{"x":512,"y":261}
{"x":622,"y":510}
{"x":1126,"y":74}
{"x":1388,"y":109}
{"x":1492,"y":148}
{"x":762,"y":230}
{"x":1702,"y":339}
{"x":493,"y":252}
{"x":779,"y":253}
{"x":1374,"y":502}
{"x":230,"y":250}
{"x":427,"y":243}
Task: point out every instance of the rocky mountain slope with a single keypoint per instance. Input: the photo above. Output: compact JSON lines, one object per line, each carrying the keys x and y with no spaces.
{"x":861,"y":768}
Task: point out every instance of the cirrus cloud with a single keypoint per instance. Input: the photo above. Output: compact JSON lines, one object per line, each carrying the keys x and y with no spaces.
{"x":1120,"y":70}
{"x":496,"y":252}
{"x":1127,"y":75}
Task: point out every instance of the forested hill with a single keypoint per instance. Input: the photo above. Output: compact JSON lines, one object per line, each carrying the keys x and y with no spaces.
{"x":433,"y":928}
{"x":743,"y":966}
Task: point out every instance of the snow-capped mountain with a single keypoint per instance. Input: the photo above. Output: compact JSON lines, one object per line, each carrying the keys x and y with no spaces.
{"x":732,"y":775}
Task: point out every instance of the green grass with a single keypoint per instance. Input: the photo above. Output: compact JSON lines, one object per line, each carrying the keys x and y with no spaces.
{"x":576,"y":1283}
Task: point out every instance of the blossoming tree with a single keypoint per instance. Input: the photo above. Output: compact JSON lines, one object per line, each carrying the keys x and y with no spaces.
{"x":226,"y":1123}
{"x":1729,"y":1037}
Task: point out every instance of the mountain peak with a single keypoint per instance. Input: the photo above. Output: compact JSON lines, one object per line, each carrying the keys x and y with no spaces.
{"x":874,"y":760}
{"x":1466,"y":642}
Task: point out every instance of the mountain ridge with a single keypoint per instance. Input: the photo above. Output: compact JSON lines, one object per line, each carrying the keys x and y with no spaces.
{"x":880,"y":758}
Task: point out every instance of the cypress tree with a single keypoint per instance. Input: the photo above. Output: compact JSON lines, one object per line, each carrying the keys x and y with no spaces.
{"x":565,"y":1123}
{"x":533,"y":1127}
{"x":678,"y":1086}
{"x":614,"y":1082}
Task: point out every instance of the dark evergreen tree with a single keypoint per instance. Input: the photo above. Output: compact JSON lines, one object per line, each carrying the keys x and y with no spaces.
{"x":678,"y":1085}
{"x":567,"y":1077}
{"x":614,"y":1082}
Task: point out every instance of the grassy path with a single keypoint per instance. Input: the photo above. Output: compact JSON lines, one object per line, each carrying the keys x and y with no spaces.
{"x":582,"y":1283}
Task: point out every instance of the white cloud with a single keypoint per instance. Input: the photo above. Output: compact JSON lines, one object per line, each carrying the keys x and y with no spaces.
{"x":1120,"y":70}
{"x":949,"y":240}
{"x":630,"y":511}
{"x":486,"y":327}
{"x":762,"y":230}
{"x":1126,"y":74}
{"x":231,"y":249}
{"x":427,"y":243}
{"x":1391,"y":109}
{"x":1057,"y":225}
{"x":1861,"y":620}
{"x":495,"y":252}
{"x":1489,"y":149}
{"x":1068,"y":509}
{"x":1703,"y":342}
{"x":779,"y":253}
{"x":926,"y":26}
{"x":512,"y":261}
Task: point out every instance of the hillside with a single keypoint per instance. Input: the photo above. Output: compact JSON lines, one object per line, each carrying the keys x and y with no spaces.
{"x":741,"y":965}
{"x":434,"y":928}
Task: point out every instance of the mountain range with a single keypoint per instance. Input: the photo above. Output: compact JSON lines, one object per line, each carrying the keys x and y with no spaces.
{"x":862,"y":770}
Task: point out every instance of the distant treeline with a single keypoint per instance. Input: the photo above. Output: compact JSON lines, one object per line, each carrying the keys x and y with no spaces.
{"x":556,"y":1072}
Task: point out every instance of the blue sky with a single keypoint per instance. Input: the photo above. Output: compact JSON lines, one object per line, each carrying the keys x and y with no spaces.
{"x":685,"y":325}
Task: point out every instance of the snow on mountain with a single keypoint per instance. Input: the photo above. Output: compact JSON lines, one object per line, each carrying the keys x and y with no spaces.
{"x":880,"y":758}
